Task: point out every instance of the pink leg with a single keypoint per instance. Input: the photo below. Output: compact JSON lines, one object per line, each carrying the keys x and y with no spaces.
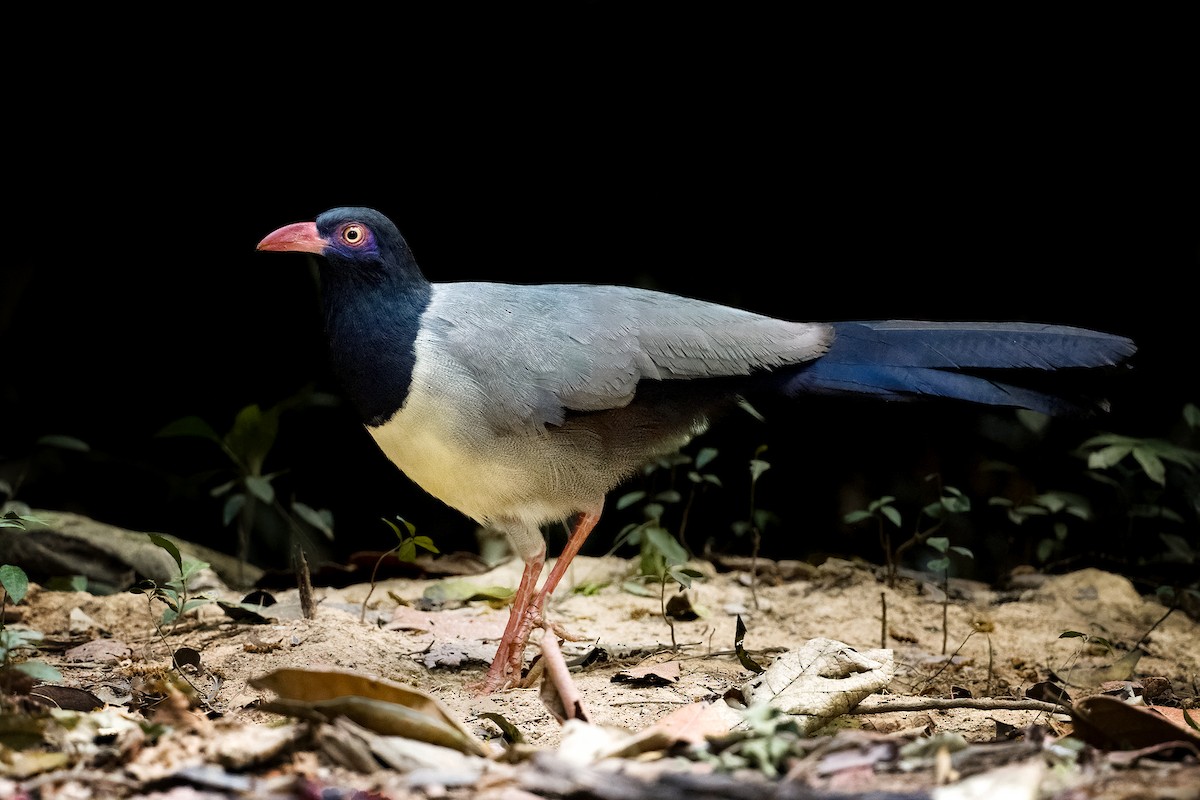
{"x":587,"y":521}
{"x":499,"y":672}
{"x":526,"y":612}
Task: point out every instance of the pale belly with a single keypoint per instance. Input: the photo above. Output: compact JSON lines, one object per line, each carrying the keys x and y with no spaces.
{"x":507,"y":478}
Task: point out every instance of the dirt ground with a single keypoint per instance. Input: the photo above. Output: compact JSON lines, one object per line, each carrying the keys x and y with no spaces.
{"x":996,"y":643}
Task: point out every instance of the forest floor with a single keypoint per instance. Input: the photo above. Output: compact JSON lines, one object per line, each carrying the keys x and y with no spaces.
{"x":961,"y":673}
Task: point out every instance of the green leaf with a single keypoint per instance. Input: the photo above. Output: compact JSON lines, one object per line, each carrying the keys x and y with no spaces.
{"x":628,"y":499}
{"x":40,"y":671}
{"x":681,"y":576}
{"x":233,"y":507}
{"x":938,"y":564}
{"x":65,"y":443}
{"x":1072,"y":635}
{"x":638,"y":588}
{"x":892,"y":514}
{"x":261,"y":488}
{"x":15,"y":582}
{"x":962,"y":551}
{"x":406,"y":551}
{"x":1191,"y":415}
{"x":317,"y":519}
{"x":856,"y":516}
{"x":705,"y":456}
{"x":190,"y":426}
{"x":669,"y":496}
{"x":757,"y":468}
{"x":667,"y":545}
{"x":956,"y":502}
{"x":1045,"y":549}
{"x":252,"y":435}
{"x":190,"y":567}
{"x":425,"y":543}
{"x":939,"y":543}
{"x":408,"y":526}
{"x":169,"y":546}
{"x":1152,"y":465}
{"x":713,"y":479}
{"x":1108,"y":456}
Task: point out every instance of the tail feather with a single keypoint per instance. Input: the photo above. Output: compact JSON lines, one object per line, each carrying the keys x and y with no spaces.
{"x":999,"y":364}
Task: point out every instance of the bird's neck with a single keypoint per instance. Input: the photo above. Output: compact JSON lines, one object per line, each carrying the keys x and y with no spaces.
{"x":372,"y":330}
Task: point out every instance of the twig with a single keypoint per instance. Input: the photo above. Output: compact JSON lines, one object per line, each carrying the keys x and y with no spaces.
{"x":883,"y":621}
{"x":1150,"y":630}
{"x":559,"y":677}
{"x":940,"y":703}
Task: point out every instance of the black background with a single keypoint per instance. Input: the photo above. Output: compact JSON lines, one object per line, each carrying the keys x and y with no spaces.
{"x":815,"y":169}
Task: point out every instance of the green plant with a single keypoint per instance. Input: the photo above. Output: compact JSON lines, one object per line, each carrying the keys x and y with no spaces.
{"x":656,"y":500}
{"x":942,"y":564}
{"x":251,"y":491}
{"x":765,"y":742}
{"x":757,"y":520}
{"x":950,"y":501}
{"x":661,"y":556}
{"x":14,"y":584}
{"x":174,"y":593}
{"x":405,"y":550}
{"x":1156,"y":482}
{"x":1055,"y":508}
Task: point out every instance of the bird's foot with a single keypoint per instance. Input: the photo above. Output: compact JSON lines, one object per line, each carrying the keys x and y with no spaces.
{"x":509,"y":662}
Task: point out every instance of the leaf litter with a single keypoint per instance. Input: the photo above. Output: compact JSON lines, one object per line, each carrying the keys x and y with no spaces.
{"x":346,"y":702}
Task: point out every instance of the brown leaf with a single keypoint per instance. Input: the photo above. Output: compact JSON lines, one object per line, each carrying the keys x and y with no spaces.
{"x":1111,"y":724}
{"x":650,"y":675}
{"x":101,"y":651}
{"x":694,"y":723}
{"x":379,"y":705}
{"x":67,"y":698}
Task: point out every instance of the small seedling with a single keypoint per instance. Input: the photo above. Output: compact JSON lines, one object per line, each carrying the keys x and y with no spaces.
{"x":950,"y":501}
{"x":757,"y":520}
{"x":405,"y":550}
{"x":174,"y":593}
{"x":1057,"y":508}
{"x":942,"y":564}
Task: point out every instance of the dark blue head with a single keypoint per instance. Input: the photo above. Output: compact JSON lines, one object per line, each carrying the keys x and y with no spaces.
{"x":360,"y":239}
{"x":373,"y":293}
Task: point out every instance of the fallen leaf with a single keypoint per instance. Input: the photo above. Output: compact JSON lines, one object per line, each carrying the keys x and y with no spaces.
{"x":743,"y":657}
{"x":67,"y":697}
{"x":382,"y":706}
{"x":100,"y":651}
{"x":464,"y":591}
{"x":1111,"y":724}
{"x":650,"y":675}
{"x":822,"y":680}
{"x":696,"y":722}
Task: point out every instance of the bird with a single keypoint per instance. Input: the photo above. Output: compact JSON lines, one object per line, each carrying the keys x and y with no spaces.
{"x":524,"y":405}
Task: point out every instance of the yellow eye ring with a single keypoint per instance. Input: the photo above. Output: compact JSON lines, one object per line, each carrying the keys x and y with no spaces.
{"x":354,"y":234}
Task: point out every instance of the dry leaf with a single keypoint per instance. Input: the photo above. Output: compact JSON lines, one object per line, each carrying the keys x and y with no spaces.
{"x":650,"y":675}
{"x":822,"y":680}
{"x":382,"y":706}
{"x":1111,"y":724}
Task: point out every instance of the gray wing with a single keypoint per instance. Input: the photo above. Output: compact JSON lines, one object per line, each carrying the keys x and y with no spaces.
{"x":534,"y":352}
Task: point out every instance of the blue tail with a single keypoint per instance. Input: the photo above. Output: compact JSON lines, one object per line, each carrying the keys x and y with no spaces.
{"x":999,"y":364}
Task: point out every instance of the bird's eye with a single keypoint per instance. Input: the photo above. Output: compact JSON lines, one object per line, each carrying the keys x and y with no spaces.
{"x":354,"y":234}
